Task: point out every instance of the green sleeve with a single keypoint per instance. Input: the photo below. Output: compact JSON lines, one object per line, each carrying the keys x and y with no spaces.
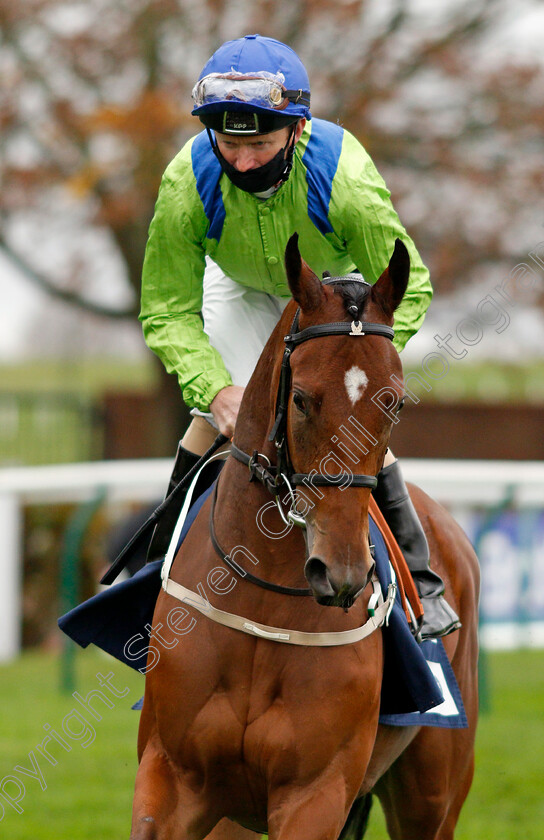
{"x":172,"y":290}
{"x":369,"y":225}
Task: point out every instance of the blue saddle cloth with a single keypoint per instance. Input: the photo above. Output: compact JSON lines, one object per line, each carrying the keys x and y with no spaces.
{"x":414,"y":691}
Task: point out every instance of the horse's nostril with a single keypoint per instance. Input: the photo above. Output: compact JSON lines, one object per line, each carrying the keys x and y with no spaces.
{"x":316,"y":575}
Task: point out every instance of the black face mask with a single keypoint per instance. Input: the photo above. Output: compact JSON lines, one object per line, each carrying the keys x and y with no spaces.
{"x":263,"y":177}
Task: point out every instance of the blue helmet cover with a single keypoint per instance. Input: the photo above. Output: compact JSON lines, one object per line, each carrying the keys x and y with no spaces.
{"x":253,"y":54}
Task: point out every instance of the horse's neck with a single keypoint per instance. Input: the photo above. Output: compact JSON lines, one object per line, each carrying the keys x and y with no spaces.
{"x":256,"y":415}
{"x":241,"y":503}
{"x":246,"y":520}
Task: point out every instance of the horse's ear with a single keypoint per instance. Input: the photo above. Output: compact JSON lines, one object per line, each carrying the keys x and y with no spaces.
{"x":305,"y":286}
{"x":389,"y":290}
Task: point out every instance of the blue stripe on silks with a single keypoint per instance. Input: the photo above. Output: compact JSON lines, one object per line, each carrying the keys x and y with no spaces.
{"x":321,"y":160}
{"x":207,"y":170}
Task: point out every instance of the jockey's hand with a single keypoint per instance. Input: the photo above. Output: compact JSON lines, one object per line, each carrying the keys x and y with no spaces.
{"x":225,"y":406}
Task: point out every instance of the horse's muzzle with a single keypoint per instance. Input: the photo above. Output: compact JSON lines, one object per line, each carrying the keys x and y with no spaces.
{"x":330,"y":591}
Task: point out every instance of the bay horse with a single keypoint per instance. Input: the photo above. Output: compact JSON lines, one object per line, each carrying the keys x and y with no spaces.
{"x":241,"y":733}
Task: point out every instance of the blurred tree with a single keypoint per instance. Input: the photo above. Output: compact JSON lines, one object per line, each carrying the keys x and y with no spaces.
{"x":92,"y":109}
{"x":91,"y":112}
{"x":95,"y":101}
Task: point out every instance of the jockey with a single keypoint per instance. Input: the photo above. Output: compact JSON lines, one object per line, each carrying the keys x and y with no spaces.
{"x":213,"y":284}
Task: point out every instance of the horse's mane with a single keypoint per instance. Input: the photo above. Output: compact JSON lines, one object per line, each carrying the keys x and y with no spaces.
{"x":353,"y":290}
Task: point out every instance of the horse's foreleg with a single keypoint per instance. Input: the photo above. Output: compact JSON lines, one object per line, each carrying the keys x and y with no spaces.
{"x":433,"y":775}
{"x":164,"y":808}
{"x":316,"y":812}
{"x":155,"y":796}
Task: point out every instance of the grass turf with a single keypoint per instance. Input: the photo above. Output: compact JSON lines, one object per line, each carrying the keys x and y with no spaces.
{"x":88,"y":792}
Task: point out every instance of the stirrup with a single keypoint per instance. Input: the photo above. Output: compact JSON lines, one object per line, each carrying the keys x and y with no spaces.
{"x":439,"y":618}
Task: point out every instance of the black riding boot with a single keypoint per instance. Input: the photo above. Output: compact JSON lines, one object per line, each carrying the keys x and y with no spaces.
{"x":392,"y":497}
{"x":164,"y":529}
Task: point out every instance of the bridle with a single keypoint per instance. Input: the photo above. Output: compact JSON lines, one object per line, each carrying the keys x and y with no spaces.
{"x":284,"y":475}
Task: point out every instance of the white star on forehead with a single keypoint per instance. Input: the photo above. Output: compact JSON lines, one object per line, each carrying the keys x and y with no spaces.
{"x":355,"y":381}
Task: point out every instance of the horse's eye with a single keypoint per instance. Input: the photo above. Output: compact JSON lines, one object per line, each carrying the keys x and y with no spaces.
{"x":300,"y":402}
{"x":400,"y":405}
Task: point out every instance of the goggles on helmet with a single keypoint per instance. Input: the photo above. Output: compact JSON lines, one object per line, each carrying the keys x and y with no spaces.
{"x":259,"y":90}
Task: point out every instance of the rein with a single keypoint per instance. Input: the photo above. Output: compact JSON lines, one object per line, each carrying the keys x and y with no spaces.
{"x":233,"y":565}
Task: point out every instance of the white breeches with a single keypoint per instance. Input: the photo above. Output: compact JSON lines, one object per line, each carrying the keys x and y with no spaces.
{"x":238,"y":322}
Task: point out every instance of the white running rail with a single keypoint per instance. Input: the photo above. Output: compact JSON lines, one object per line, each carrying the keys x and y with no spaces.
{"x":460,"y":485}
